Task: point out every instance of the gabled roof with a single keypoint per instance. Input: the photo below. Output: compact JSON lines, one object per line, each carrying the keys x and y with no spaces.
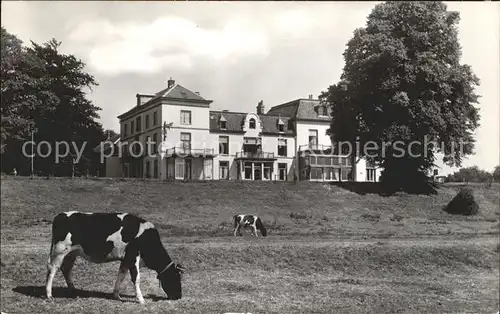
{"x":179,"y":92}
{"x":235,"y":120}
{"x":107,"y":145}
{"x":174,"y":92}
{"x":300,"y":109}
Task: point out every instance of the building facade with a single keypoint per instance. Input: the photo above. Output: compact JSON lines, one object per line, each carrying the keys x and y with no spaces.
{"x":173,"y":135}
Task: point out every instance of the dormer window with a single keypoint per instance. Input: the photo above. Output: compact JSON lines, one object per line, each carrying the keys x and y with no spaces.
{"x":281,"y":125}
{"x":222,"y":123}
{"x":251,"y":123}
{"x":322,"y":111}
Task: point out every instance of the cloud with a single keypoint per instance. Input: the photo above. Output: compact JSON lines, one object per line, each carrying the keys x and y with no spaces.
{"x":164,"y":42}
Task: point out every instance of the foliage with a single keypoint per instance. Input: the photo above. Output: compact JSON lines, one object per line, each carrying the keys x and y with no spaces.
{"x":47,"y":89}
{"x":496,"y":174}
{"x":463,"y":203}
{"x":403,"y":81}
{"x":470,"y":174}
{"x":18,"y":89}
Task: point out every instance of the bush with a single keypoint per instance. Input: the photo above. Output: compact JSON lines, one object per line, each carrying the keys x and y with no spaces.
{"x":463,"y":203}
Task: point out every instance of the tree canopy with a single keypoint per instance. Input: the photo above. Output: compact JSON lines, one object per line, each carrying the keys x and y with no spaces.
{"x":403,"y":81}
{"x":496,"y":174}
{"x":45,"y":89}
{"x":470,"y":174}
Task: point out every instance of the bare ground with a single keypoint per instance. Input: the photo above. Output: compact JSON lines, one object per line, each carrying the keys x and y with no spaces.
{"x":328,"y":251}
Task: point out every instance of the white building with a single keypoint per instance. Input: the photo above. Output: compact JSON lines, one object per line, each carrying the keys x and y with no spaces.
{"x":289,"y":142}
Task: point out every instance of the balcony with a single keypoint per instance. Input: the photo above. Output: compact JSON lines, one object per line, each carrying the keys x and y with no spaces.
{"x":255,"y":155}
{"x":315,"y":147}
{"x":190,"y":152}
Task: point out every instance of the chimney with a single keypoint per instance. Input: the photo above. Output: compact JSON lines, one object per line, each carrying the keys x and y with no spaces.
{"x":170,"y":82}
{"x":260,"y":107}
{"x":197,"y":93}
{"x":311,"y":96}
{"x":138,"y":100}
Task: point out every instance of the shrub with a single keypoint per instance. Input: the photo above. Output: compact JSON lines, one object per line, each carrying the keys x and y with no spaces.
{"x":463,"y":203}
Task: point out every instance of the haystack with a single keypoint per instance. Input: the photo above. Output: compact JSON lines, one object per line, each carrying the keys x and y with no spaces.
{"x":463,"y":203}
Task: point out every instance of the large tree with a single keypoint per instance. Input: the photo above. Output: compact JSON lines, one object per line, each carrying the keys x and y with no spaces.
{"x":403,"y":81}
{"x":49,"y":93}
{"x":18,"y":89}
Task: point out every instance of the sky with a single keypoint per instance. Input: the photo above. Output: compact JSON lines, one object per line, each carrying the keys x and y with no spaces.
{"x":238,"y":53}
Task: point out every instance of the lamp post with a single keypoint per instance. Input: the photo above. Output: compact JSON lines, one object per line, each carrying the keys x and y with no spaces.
{"x":33,"y":131}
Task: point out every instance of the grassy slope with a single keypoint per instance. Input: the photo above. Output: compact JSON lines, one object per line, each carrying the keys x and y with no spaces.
{"x":301,"y":267}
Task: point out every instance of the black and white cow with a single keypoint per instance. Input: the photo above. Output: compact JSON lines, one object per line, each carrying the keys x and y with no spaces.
{"x":108,"y":237}
{"x":248,"y":221}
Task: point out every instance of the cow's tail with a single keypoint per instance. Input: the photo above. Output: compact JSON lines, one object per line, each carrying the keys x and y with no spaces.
{"x":260,"y":226}
{"x":56,"y":226}
{"x":235,"y":221}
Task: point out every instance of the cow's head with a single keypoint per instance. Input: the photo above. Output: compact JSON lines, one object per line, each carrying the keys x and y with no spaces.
{"x":170,"y":281}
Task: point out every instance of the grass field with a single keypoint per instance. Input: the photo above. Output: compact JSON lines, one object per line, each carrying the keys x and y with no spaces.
{"x":328,"y":250}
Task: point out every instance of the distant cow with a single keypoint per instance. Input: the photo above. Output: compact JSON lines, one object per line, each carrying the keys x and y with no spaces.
{"x":248,"y":221}
{"x":108,"y":237}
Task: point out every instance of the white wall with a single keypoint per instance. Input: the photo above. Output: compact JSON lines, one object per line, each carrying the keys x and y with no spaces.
{"x":303,"y":132}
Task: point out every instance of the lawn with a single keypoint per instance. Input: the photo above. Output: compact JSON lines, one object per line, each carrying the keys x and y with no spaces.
{"x":328,"y":250}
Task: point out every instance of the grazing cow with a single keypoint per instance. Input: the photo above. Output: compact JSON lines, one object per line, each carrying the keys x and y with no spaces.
{"x":248,"y":221}
{"x":108,"y":237}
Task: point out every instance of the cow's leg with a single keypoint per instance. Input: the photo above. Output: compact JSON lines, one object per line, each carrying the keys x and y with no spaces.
{"x":67,"y":267}
{"x":54,"y":264}
{"x":122,"y":271}
{"x":237,"y":230}
{"x":255,"y":231}
{"x":136,"y":279}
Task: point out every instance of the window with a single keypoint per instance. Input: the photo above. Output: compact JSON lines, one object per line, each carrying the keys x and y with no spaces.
{"x":313,"y":139}
{"x":322,"y":111}
{"x":148,"y":147}
{"x":125,"y":129}
{"x":224,"y":145}
{"x":155,"y":171}
{"x":345,"y":174}
{"x":155,"y":118}
{"x":223,"y":125}
{"x":138,"y":124}
{"x":147,"y":121}
{"x":179,"y":168}
{"x":316,"y":173}
{"x":328,"y":161}
{"x":186,"y":140}
{"x":313,"y":160}
{"x":282,"y":171}
{"x":281,"y":127}
{"x":248,"y":170}
{"x":346,"y":161}
{"x":208,"y":164}
{"x":370,"y":175}
{"x":332,"y":174}
{"x":268,"y":170}
{"x":154,"y":147}
{"x":251,"y":123}
{"x":336,"y":161}
{"x":186,"y":117}
{"x":281,"y":147}
{"x":224,"y":170}
{"x":131,"y":127}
